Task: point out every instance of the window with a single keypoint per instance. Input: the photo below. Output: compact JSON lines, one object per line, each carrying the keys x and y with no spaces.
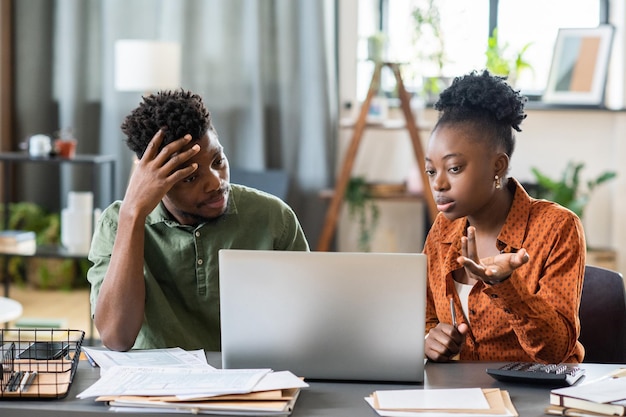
{"x":466,"y":26}
{"x":537,"y":22}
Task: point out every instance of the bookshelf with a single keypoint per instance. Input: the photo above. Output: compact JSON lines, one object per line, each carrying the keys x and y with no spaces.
{"x":97,"y":164}
{"x":336,"y":195}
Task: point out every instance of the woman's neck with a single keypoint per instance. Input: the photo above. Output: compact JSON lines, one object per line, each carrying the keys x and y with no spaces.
{"x":491,"y":218}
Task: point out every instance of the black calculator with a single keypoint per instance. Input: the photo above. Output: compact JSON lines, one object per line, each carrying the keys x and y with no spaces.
{"x":537,"y":373}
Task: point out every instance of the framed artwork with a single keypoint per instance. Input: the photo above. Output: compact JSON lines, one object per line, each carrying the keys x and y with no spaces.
{"x":579,"y":66}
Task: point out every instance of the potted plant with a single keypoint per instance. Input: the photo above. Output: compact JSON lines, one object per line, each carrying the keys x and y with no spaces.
{"x":44,"y":272}
{"x":430,"y":49}
{"x":570,"y":192}
{"x":376,"y":46}
{"x":363,"y":209}
{"x":501,"y":62}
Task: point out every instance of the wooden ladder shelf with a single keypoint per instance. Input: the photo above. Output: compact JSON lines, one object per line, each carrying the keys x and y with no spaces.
{"x":332,"y":214}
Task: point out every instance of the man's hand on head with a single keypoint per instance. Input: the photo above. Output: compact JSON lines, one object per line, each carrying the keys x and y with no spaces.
{"x":157,"y":172}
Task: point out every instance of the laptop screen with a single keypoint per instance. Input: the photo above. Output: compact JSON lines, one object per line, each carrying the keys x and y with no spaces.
{"x":324,"y":315}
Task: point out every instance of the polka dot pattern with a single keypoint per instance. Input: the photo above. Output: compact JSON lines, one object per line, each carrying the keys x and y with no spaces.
{"x":533,"y":315}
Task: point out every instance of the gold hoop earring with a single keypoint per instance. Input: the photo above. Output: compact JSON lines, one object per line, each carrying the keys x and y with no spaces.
{"x":498,"y":181}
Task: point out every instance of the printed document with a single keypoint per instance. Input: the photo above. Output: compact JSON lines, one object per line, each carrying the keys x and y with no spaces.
{"x":172,"y":357}
{"x":158,"y":381}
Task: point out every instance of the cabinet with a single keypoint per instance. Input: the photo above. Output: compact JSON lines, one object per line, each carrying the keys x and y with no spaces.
{"x":97,"y":164}
{"x":386,"y":163}
{"x":345,"y":172}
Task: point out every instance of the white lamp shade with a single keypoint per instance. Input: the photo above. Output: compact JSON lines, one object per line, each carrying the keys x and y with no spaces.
{"x":147,"y":66}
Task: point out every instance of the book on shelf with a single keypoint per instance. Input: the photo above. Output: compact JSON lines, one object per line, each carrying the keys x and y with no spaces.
{"x":605,"y":396}
{"x":18,"y":242}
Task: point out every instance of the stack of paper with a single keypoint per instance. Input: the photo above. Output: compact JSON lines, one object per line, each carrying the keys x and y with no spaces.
{"x":442,"y":402}
{"x":190,"y":388}
{"x":18,"y":241}
{"x":605,"y":396}
{"x":170,"y":357}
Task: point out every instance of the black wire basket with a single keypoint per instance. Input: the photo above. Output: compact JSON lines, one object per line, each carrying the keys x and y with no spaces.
{"x":38,"y":363}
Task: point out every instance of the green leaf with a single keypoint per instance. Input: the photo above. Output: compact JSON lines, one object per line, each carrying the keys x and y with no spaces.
{"x":567,"y":191}
{"x":362,"y":209}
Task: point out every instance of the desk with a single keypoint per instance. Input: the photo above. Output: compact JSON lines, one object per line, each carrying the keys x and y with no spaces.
{"x":321,"y":399}
{"x":9,"y":309}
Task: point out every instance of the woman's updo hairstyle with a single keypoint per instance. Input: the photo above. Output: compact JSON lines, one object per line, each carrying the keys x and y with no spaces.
{"x":487,"y":103}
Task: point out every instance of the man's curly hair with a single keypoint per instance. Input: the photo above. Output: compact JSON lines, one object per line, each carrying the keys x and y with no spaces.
{"x":180,"y":112}
{"x":486,"y":102}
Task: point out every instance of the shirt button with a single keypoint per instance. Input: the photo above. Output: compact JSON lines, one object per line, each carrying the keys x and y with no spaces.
{"x":494,"y":295}
{"x":200,"y":261}
{"x":197,"y":234}
{"x":507,"y":311}
{"x":472,"y":312}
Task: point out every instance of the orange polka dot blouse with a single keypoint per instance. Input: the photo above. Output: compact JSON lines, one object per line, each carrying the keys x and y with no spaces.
{"x":533,"y":315}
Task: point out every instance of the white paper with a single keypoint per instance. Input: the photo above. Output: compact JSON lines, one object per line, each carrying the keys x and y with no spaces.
{"x":201,"y":381}
{"x":279,"y":380}
{"x":433,"y":399}
{"x":603,"y":391}
{"x":172,"y":357}
{"x":271,"y":381}
{"x":388,"y":413}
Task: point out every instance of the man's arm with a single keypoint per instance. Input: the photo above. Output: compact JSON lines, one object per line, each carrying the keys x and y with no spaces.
{"x":120,"y":306}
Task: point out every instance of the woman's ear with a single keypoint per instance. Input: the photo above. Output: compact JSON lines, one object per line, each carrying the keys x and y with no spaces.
{"x":501,"y":164}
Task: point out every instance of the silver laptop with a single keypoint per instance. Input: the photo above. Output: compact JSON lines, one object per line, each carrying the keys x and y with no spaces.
{"x":324,"y":315}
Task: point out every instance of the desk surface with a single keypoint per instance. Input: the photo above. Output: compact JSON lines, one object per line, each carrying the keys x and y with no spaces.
{"x":321,"y":399}
{"x":9,"y":309}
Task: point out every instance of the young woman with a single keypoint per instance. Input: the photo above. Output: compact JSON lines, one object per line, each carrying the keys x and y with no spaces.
{"x":508,"y":266}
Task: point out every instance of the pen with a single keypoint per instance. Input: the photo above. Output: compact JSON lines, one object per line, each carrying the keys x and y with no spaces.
{"x":28,"y":380}
{"x":90,"y":360}
{"x":14,"y":382}
{"x":22,"y":381}
{"x":453,"y":311}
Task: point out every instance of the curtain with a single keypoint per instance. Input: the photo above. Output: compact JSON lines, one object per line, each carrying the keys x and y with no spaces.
{"x":265,"y":68}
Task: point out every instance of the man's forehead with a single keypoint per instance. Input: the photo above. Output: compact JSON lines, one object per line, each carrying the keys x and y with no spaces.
{"x":207,"y":141}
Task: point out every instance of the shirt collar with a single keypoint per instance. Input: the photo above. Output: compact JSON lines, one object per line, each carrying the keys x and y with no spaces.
{"x":514,"y":228}
{"x":161,"y":215}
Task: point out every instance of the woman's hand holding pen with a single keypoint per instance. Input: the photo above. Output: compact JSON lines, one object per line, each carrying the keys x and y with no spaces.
{"x":445,"y":341}
{"x":492,"y":269}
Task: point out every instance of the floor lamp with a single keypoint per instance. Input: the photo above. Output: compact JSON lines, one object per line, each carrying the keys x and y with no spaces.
{"x":147,"y":66}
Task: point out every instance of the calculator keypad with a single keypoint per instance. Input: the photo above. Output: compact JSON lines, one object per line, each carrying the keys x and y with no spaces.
{"x":532,"y":372}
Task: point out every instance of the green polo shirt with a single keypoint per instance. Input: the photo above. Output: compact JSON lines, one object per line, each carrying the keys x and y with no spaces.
{"x":182,"y":306}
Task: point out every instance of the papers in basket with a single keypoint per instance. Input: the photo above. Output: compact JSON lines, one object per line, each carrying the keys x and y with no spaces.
{"x":442,"y":402}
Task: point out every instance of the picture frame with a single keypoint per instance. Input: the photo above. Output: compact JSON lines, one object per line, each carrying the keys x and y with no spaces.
{"x":579,"y":66}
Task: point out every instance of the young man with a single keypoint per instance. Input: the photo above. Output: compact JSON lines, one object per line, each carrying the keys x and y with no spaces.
{"x":154,"y":279}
